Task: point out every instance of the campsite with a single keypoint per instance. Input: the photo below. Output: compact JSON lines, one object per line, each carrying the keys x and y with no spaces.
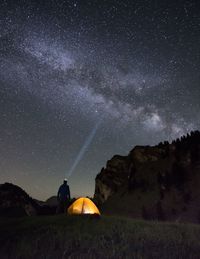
{"x":126,"y":218}
{"x":99,"y":129}
{"x":33,"y":230}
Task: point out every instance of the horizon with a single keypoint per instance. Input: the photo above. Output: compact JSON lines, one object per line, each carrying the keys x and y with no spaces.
{"x":76,"y":196}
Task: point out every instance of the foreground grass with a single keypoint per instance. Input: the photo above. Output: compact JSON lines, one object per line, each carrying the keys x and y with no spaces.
{"x":85,"y":237}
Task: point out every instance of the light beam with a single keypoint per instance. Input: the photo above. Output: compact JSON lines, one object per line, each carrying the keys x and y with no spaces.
{"x":84,"y":148}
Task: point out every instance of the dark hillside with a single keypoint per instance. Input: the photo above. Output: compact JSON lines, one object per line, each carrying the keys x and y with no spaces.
{"x":15,"y":202}
{"x":154,"y":182}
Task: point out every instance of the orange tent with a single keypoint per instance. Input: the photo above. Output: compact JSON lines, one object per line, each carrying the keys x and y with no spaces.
{"x":83,"y":206}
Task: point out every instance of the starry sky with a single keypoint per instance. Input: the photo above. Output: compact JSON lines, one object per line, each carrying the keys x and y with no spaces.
{"x":81,"y":81}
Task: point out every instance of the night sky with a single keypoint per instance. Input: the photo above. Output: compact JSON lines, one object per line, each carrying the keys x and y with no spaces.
{"x":81,"y":81}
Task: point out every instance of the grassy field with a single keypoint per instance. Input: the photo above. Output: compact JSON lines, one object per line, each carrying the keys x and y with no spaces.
{"x":107,"y":237}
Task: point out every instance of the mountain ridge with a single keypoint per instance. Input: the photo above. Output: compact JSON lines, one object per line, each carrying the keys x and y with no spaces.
{"x":153,"y":182}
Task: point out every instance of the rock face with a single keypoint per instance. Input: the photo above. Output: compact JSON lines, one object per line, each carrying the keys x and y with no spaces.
{"x":15,"y":202}
{"x":160,"y":182}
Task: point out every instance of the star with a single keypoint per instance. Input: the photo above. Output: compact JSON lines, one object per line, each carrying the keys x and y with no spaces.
{"x":129,"y":67}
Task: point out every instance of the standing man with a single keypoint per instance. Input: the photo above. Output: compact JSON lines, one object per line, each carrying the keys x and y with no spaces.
{"x":63,"y":197}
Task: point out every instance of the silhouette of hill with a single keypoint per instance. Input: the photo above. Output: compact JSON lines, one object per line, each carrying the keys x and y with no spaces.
{"x":16,"y":202}
{"x":154,"y":182}
{"x":52,"y":201}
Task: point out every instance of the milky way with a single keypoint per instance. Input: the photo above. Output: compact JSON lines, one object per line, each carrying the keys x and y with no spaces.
{"x":66,"y":65}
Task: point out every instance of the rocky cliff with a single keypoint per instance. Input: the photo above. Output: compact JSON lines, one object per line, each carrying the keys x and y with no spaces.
{"x":154,"y":182}
{"x":15,"y":202}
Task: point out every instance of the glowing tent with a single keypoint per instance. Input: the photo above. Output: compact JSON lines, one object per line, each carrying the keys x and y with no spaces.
{"x":83,"y":206}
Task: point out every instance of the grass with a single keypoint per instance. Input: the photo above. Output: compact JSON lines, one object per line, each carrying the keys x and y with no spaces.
{"x":86,"y":237}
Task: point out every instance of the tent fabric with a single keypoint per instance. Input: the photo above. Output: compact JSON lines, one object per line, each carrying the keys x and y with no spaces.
{"x":83,"y":206}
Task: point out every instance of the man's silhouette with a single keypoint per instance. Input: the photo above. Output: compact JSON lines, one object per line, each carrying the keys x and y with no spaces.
{"x":63,"y":197}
